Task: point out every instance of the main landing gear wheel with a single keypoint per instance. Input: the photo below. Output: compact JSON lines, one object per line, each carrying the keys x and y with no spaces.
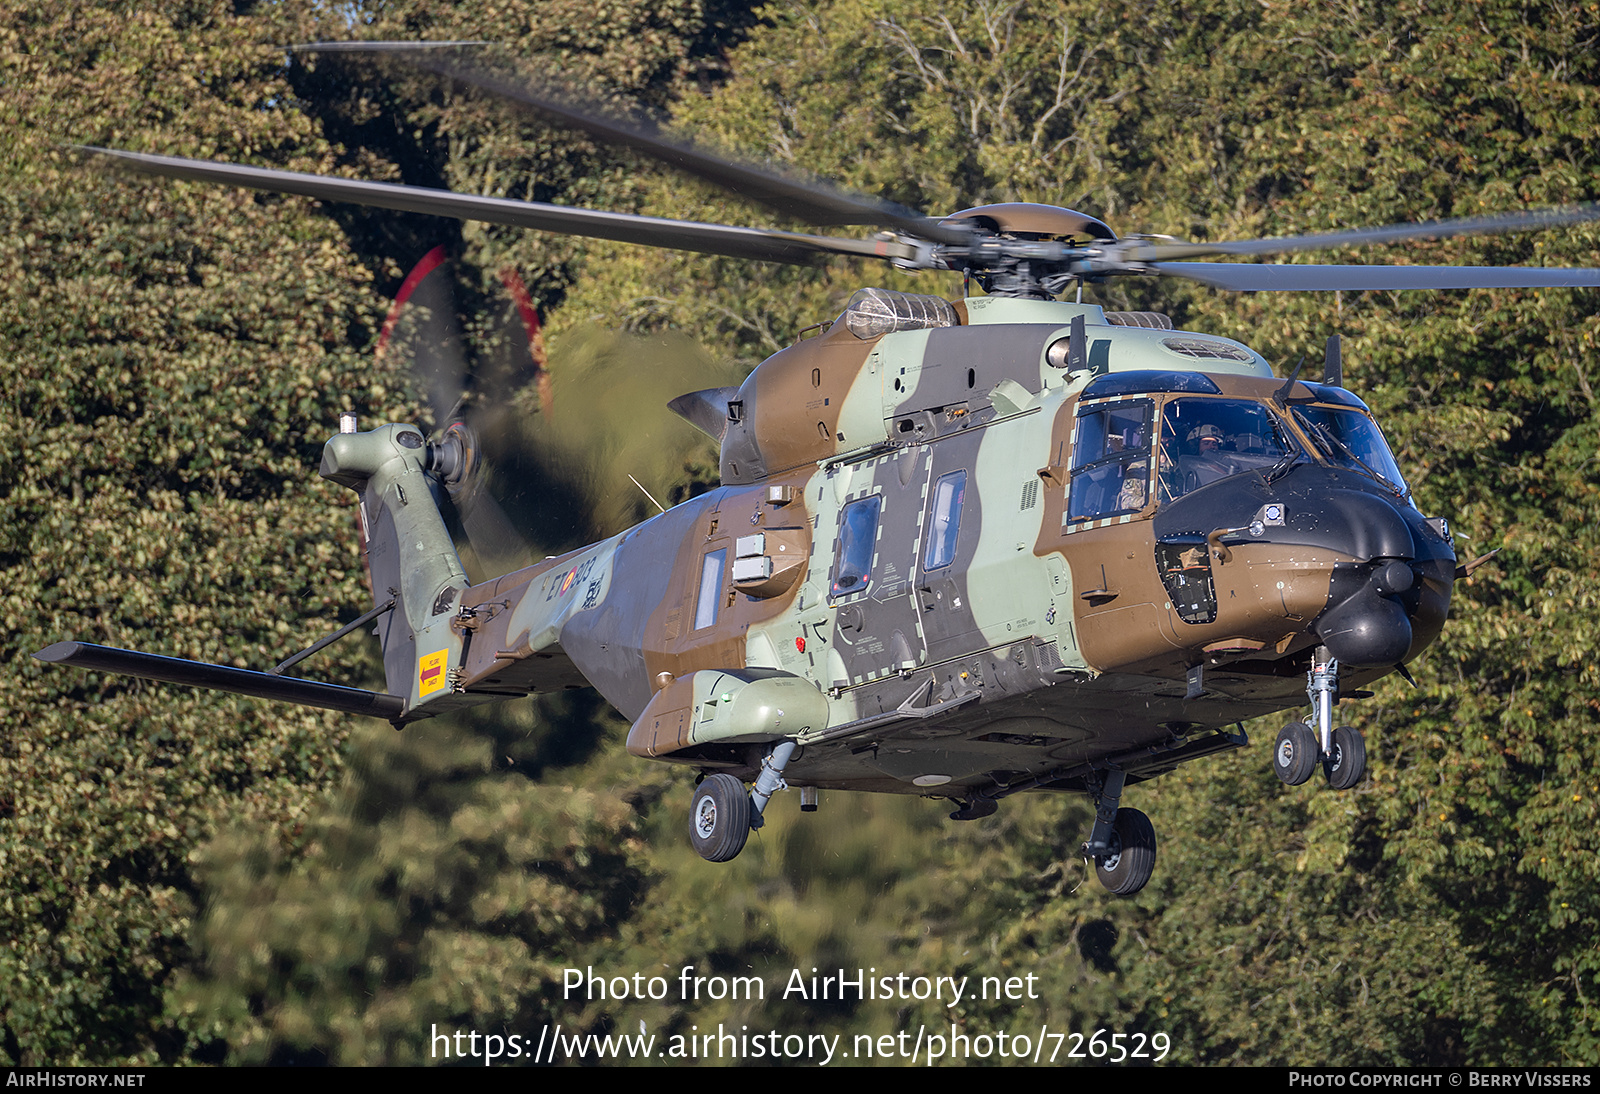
{"x":1132,"y":858}
{"x":719,"y":819}
{"x":1295,"y":755}
{"x":1346,"y":764}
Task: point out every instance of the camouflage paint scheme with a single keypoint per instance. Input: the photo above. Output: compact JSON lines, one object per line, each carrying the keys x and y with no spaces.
{"x":1040,"y":647}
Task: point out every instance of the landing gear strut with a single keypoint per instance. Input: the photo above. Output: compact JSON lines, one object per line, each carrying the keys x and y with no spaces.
{"x":1122,"y":842}
{"x":1301,"y":746}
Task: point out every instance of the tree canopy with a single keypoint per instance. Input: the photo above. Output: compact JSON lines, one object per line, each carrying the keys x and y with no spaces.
{"x":195,"y":878}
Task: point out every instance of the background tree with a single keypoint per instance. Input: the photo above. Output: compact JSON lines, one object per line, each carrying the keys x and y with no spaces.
{"x":198,"y":343}
{"x":174,"y":355}
{"x":178,"y":356}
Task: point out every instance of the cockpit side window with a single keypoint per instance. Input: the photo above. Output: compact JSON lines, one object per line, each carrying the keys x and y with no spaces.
{"x":1203,"y":440}
{"x":1110,"y":460}
{"x":858,"y":540}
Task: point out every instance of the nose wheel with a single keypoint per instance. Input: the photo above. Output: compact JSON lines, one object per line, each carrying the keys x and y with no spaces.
{"x":1346,"y":762}
{"x":1342,"y":752}
{"x":1295,"y":755}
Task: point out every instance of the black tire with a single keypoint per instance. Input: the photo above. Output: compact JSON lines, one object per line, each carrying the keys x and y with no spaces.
{"x":719,"y":818}
{"x":1295,"y":755}
{"x":1346,"y":765}
{"x":1132,"y":859}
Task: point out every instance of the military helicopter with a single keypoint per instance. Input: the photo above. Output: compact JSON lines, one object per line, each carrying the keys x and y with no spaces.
{"x":962,"y":548}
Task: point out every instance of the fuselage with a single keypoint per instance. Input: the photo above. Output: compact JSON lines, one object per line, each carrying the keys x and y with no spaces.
{"x":996,"y":547}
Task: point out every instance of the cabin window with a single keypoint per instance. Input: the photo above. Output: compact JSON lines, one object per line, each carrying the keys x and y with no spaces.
{"x":944,"y":522}
{"x":1110,"y":460}
{"x":705,"y":613}
{"x":858,"y":540}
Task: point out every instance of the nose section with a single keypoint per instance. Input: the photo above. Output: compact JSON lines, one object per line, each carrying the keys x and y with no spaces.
{"x":1389,"y":594}
{"x":1387,"y":608}
{"x":1370,"y":625}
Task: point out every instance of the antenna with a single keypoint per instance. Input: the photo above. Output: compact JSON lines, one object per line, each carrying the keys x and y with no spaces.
{"x":647,"y":493}
{"x":1283,"y":392}
{"x":1333,"y":363}
{"x":1077,"y":345}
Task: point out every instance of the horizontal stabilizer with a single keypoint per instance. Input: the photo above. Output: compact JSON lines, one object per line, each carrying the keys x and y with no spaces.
{"x":706,"y":410}
{"x":202,"y":674}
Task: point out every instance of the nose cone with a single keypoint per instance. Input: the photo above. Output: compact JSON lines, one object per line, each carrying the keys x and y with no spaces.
{"x":1388,"y":607}
{"x":1367,"y":628}
{"x":1389,"y":594}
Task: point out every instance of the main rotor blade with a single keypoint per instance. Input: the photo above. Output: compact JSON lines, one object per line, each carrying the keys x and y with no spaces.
{"x":760,"y":244}
{"x":810,"y":202}
{"x":1251,"y":277}
{"x":1365,"y":237}
{"x":385,"y":47}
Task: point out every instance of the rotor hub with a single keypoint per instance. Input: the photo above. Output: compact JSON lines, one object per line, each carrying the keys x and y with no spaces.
{"x":455,"y":457}
{"x":1021,"y":249}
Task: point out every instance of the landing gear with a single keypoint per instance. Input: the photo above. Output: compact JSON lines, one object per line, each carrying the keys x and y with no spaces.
{"x":1346,"y":763}
{"x":1342,"y":751}
{"x":1132,"y":858}
{"x":1123,"y":841}
{"x":719,"y":819}
{"x":1295,"y":755}
{"x":722,"y":814}
{"x":770,"y":781}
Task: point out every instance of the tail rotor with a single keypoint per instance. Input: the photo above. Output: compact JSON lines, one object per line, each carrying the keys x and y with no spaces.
{"x":424,"y":327}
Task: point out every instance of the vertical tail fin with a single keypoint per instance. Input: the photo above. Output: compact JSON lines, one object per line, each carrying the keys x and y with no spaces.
{"x":410,"y":556}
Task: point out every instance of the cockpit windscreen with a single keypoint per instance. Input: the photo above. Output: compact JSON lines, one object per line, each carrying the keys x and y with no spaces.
{"x":1203,"y":440}
{"x":1350,"y":439}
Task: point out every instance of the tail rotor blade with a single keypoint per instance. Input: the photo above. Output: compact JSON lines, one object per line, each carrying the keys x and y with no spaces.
{"x":517,"y":346}
{"x":499,"y":546}
{"x":424,"y":328}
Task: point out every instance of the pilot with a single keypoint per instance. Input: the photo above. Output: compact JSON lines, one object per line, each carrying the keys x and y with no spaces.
{"x":1208,"y":464}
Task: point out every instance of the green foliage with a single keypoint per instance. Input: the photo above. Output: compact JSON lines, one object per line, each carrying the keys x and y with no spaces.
{"x":607,"y":441}
{"x":178,"y":354}
{"x":174,"y":355}
{"x":433,"y":891}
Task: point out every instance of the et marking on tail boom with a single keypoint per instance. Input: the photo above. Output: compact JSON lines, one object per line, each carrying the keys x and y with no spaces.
{"x":961,"y":549}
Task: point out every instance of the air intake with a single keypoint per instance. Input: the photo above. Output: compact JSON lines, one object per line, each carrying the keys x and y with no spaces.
{"x":1150,"y":320}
